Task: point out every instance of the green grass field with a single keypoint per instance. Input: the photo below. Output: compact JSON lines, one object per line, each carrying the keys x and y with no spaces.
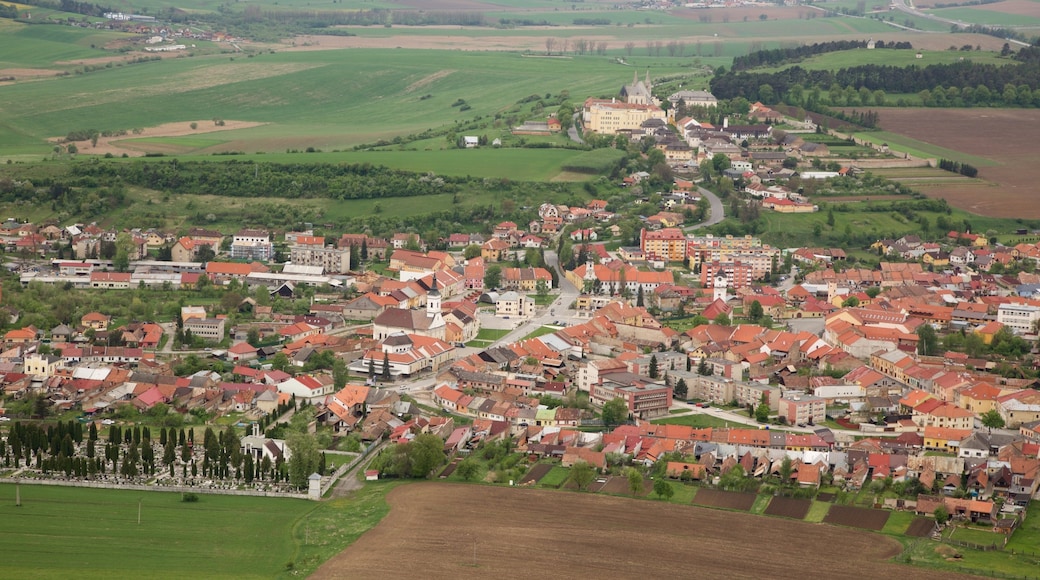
{"x":892,"y":57}
{"x":989,"y":17}
{"x":787,"y":230}
{"x":44,"y":46}
{"x":817,"y":511}
{"x":904,"y":144}
{"x":60,"y":532}
{"x":322,"y":99}
{"x":698,"y":421}
{"x":897,"y":523}
{"x":555,"y":478}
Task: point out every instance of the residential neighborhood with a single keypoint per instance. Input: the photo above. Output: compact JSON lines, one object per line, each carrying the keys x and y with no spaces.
{"x":607,"y":334}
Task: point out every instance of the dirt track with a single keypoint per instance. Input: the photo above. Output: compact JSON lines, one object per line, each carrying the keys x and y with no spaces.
{"x":434,"y":529}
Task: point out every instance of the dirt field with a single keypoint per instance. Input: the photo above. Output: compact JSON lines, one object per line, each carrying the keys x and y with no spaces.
{"x":537,"y":472}
{"x":116,"y":146}
{"x":863,"y":518}
{"x":920,"y":527}
{"x":619,"y":486}
{"x":434,"y":529}
{"x":1005,"y":136}
{"x":724,"y":499}
{"x":788,"y":507}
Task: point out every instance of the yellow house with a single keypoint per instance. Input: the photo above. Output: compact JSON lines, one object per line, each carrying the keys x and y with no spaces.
{"x":988,"y":331}
{"x":494,"y":250}
{"x":944,"y":438}
{"x":940,"y":260}
{"x":95,"y":320}
{"x":979,"y":398}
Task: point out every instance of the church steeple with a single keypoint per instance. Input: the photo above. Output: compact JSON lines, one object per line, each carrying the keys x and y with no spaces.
{"x":433,"y":300}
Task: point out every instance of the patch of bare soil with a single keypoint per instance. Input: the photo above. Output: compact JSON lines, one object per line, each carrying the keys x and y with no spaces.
{"x":118,"y":145}
{"x":1004,"y":136}
{"x":443,"y":530}
{"x":26,"y":73}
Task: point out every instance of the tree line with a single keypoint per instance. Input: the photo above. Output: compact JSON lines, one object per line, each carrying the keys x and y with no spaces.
{"x":777,"y":56}
{"x":987,"y":84}
{"x":958,"y":167}
{"x":285,"y":180}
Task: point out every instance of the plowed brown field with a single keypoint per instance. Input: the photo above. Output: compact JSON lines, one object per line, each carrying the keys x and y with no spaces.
{"x":443,"y":530}
{"x":1011,"y":188}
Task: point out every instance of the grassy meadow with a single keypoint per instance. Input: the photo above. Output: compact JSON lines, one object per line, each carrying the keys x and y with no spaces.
{"x":60,"y":532}
{"x":322,"y":99}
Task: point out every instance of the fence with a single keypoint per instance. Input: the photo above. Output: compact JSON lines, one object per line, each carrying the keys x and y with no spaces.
{"x":168,"y":488}
{"x":348,"y":466}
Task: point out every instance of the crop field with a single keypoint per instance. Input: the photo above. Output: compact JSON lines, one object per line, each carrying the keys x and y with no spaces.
{"x":789,"y":507}
{"x":548,"y":533}
{"x":991,"y":15}
{"x":920,"y":527}
{"x":999,"y":142}
{"x":724,"y":499}
{"x":323,"y":99}
{"x":61,"y":532}
{"x":536,"y":473}
{"x":23,"y":46}
{"x":864,"y":518}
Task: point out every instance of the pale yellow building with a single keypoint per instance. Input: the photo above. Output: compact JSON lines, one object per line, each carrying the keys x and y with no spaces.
{"x":610,"y":116}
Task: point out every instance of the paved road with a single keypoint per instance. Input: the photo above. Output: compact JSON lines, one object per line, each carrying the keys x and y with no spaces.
{"x":717,"y":211}
{"x":731,"y":416}
{"x":559,"y":309}
{"x":572,"y":131}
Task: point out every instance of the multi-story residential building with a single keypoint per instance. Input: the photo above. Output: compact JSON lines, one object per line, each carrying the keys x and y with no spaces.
{"x":252,"y":245}
{"x":667,"y":244}
{"x":312,"y":251}
{"x":799,"y":409}
{"x":737,"y":274}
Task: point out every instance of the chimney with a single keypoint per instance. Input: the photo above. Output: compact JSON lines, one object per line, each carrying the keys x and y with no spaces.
{"x":725,"y":122}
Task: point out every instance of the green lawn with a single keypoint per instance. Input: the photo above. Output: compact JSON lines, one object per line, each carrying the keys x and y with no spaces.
{"x":1027,"y":536}
{"x":817,"y":511}
{"x":761,"y":503}
{"x":60,"y":532}
{"x":698,"y":421}
{"x":486,"y":336}
{"x":555,"y":478}
{"x":897,"y":523}
{"x":541,"y":331}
